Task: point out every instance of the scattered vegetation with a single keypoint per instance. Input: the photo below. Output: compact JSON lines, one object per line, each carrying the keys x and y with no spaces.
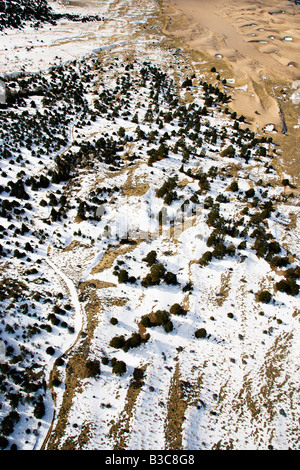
{"x":17,"y":13}
{"x":35,"y":138}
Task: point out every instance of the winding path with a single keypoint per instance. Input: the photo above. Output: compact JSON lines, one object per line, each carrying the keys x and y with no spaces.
{"x":78,"y":323}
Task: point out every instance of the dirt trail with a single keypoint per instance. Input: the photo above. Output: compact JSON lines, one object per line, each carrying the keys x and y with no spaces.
{"x":79,"y":322}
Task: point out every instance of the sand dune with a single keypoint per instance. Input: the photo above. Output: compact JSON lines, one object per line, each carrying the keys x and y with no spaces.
{"x":242,"y":29}
{"x":259,"y":42}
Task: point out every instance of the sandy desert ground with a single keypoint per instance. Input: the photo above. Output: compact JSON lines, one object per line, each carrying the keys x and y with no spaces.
{"x":257,"y":44}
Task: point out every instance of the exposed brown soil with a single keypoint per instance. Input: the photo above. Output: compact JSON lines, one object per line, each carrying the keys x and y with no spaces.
{"x":256,"y":44}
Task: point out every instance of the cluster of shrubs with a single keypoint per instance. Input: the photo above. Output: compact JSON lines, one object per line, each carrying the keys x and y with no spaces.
{"x":93,"y":367}
{"x":16,"y":13}
{"x":34,"y":395}
{"x":159,"y":318}
{"x":289,"y":284}
{"x":134,"y":341}
{"x":162,"y":318}
{"x":167,"y":190}
{"x":118,"y":367}
{"x":158,"y":273}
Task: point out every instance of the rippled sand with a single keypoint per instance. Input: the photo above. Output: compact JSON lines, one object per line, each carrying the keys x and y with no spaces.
{"x":259,"y":43}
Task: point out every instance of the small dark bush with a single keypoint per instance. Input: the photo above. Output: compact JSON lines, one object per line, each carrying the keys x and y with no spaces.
{"x":219,"y":251}
{"x":117,"y":342}
{"x":157,"y":272}
{"x":264,"y":296}
{"x":145,"y":321}
{"x":171,"y":278}
{"x":123,"y":276}
{"x":7,"y":426}
{"x":119,"y":368}
{"x":134,"y":341}
{"x":201,"y":333}
{"x":188,"y":287}
{"x":168,"y":326}
{"x":39,"y":409}
{"x":279,"y":261}
{"x":147,"y":281}
{"x":206,"y":258}
{"x":250,"y":193}
{"x":234,"y":186}
{"x":3,"y":442}
{"x":177,"y":309}
{"x":161,"y":317}
{"x":151,"y":258}
{"x":50,"y":350}
{"x":93,"y":367}
{"x":288,"y":286}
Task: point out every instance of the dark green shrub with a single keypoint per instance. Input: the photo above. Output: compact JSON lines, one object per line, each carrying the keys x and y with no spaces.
{"x":213,"y":217}
{"x":50,"y":350}
{"x":113,"y":321}
{"x":59,"y":361}
{"x":170,"y":197}
{"x":279,"y":261}
{"x":138,"y":374}
{"x":53,"y":318}
{"x":177,"y":309}
{"x":261,"y":247}
{"x":145,"y":321}
{"x":214,"y":238}
{"x":274,"y":247}
{"x":117,"y":342}
{"x":123,"y":276}
{"x":293,"y":273}
{"x":250,"y":193}
{"x":234,"y":186}
{"x":147,"y":281}
{"x":264,"y":296}
{"x":134,"y":341}
{"x":167,"y":187}
{"x":188,"y":287}
{"x":242,"y":245}
{"x":151,"y":258}
{"x":219,"y":251}
{"x":170,"y":279}
{"x":285,"y":182}
{"x":206,"y":258}
{"x":228,"y":152}
{"x":168,"y":326}
{"x":56,"y":382}
{"x":201,"y":333}
{"x":157,"y":272}
{"x":119,"y":368}
{"x":208,"y":202}
{"x":39,"y":409}
{"x":161,"y":317}
{"x":7,"y":426}
{"x":230,"y":250}
{"x":93,"y":367}
{"x":288,"y":286}
{"x":3,"y":442}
